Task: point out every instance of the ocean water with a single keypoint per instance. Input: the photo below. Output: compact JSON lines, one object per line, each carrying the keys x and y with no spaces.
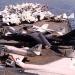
{"x":55,"y":6}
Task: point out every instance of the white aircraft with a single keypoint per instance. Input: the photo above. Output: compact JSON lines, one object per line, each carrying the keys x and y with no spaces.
{"x":44,"y":28}
{"x":36,"y":50}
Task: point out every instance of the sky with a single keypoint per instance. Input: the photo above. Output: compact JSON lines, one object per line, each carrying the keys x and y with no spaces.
{"x":56,"y":4}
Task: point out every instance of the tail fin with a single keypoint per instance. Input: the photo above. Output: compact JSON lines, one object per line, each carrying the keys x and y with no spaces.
{"x":71,"y":16}
{"x":11,"y":29}
{"x":64,"y":16}
{"x":37,"y":49}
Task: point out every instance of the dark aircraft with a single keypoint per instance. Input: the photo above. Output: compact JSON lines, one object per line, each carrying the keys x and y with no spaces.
{"x":67,"y":39}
